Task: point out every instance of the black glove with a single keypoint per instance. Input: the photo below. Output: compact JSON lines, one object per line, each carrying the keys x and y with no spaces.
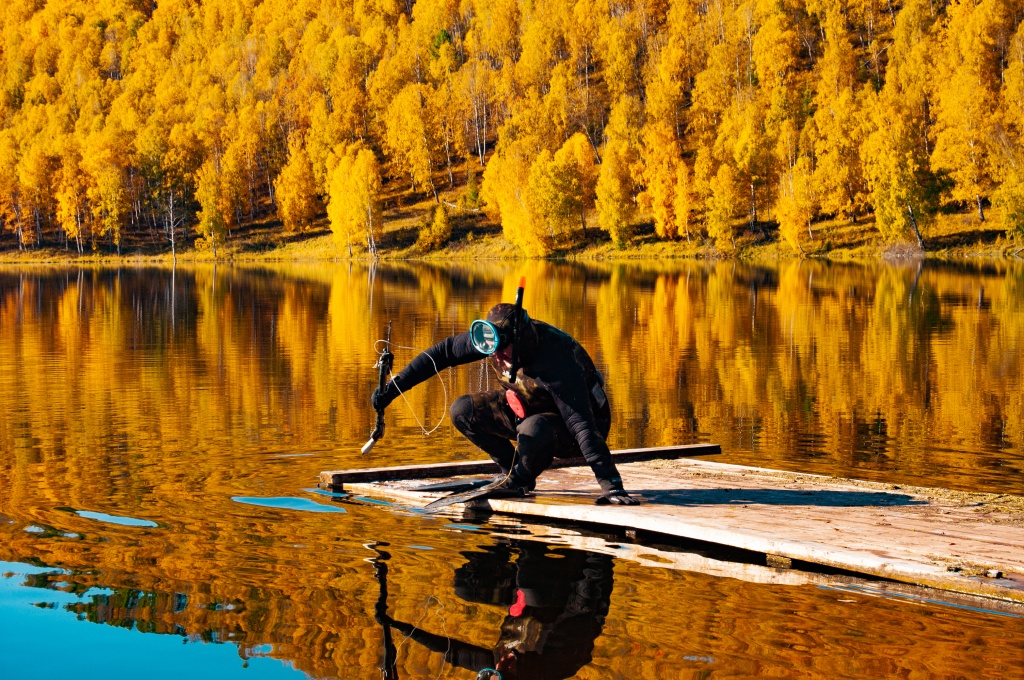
{"x":617,"y":497}
{"x":612,"y":493}
{"x":381,"y":400}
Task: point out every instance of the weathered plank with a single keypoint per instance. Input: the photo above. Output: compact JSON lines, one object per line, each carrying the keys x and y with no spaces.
{"x":932,"y":537}
{"x":338,"y":478}
{"x":778,"y":571}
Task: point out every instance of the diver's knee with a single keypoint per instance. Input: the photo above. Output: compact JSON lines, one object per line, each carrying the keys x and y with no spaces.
{"x":462,"y":413}
{"x":535,"y":434}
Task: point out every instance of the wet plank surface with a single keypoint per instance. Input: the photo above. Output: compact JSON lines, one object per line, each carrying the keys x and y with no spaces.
{"x":934,"y":537}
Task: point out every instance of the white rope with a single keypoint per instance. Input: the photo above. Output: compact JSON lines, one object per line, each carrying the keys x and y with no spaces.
{"x":444,"y":385}
{"x":444,"y":629}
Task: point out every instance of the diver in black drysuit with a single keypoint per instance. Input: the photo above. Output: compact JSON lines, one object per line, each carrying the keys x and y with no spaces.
{"x":565,"y":411}
{"x":557,"y":600}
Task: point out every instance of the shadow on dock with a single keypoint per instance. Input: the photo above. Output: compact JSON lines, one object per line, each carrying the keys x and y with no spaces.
{"x":832,"y":499}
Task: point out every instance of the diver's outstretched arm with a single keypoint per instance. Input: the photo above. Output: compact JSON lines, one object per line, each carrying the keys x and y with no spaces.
{"x":452,"y":351}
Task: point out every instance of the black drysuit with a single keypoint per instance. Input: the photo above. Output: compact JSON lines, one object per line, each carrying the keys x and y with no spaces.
{"x":562,"y":393}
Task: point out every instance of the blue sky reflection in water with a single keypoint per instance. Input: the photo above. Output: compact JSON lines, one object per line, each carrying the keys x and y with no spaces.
{"x":44,"y":639}
{"x":169,"y":399}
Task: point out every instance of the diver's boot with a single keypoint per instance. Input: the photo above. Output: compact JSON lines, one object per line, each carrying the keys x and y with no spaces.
{"x":515,"y":484}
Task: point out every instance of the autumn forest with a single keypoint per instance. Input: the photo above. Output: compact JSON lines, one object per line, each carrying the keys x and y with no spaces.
{"x":181,"y":122}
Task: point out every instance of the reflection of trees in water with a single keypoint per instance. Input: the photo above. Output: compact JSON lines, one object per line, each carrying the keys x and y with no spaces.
{"x":314,"y":608}
{"x":143,"y":611}
{"x":838,"y":366}
{"x":555,"y":601}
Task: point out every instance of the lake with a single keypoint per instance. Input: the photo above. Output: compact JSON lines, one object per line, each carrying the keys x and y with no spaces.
{"x":161,"y":432}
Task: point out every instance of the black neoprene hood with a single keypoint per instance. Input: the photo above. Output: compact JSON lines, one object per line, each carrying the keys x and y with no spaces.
{"x":501,"y":316}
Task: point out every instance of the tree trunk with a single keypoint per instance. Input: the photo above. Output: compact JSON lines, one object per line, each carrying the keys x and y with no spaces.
{"x":754,"y":222}
{"x":448,"y":157}
{"x":19,"y":231}
{"x":476,"y":131}
{"x":39,"y":227}
{"x":270,"y":184}
{"x":981,"y":209}
{"x":483,"y":148}
{"x":371,"y":242}
{"x":170,"y":225}
{"x":913,"y":224}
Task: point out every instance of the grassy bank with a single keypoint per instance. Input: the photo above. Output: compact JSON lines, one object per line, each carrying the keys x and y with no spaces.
{"x":476,"y":236}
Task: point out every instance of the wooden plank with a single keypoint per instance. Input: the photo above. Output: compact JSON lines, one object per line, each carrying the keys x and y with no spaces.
{"x":932,"y":537}
{"x":336,"y":479}
{"x":521,"y":528}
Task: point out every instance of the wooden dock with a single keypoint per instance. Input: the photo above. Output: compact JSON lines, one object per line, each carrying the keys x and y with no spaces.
{"x":337,"y":479}
{"x":653,"y":557}
{"x":962,"y":542}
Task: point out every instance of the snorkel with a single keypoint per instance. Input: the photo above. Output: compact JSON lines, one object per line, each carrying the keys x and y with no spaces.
{"x":515,"y":329}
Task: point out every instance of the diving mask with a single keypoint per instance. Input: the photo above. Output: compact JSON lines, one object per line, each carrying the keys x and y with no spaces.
{"x":485,"y":337}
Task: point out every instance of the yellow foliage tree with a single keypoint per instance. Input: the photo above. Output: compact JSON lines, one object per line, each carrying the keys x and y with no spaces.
{"x":296,"y":189}
{"x":212,"y":222}
{"x":70,"y":193}
{"x":506,"y":194}
{"x":354,"y":207}
{"x":892,"y":165}
{"x":436,"y":232}
{"x":576,"y":157}
{"x":614,"y":191}
{"x":661,"y":158}
{"x":895,"y":153}
{"x":407,"y":135}
{"x":103,"y":160}
{"x":562,"y":188}
{"x":1008,"y":159}
{"x":723,"y":201}
{"x":971,"y":71}
{"x":795,"y":206}
{"x":685,"y":202}
{"x":837,"y":130}
{"x":505,"y":189}
{"x":10,"y":197}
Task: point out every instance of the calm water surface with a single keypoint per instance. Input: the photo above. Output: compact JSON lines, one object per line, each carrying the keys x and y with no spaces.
{"x":161,"y":433}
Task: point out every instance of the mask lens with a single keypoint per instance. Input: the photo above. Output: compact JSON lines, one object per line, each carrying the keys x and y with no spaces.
{"x":484,"y":336}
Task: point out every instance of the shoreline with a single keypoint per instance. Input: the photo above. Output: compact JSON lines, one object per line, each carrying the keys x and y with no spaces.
{"x":508,"y":253}
{"x":483,"y":240}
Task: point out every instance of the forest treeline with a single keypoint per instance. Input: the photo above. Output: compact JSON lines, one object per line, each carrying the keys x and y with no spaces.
{"x":121,"y":118}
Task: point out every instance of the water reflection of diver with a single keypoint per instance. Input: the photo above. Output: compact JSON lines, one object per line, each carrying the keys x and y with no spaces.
{"x":557,"y":602}
{"x":552,"y":401}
